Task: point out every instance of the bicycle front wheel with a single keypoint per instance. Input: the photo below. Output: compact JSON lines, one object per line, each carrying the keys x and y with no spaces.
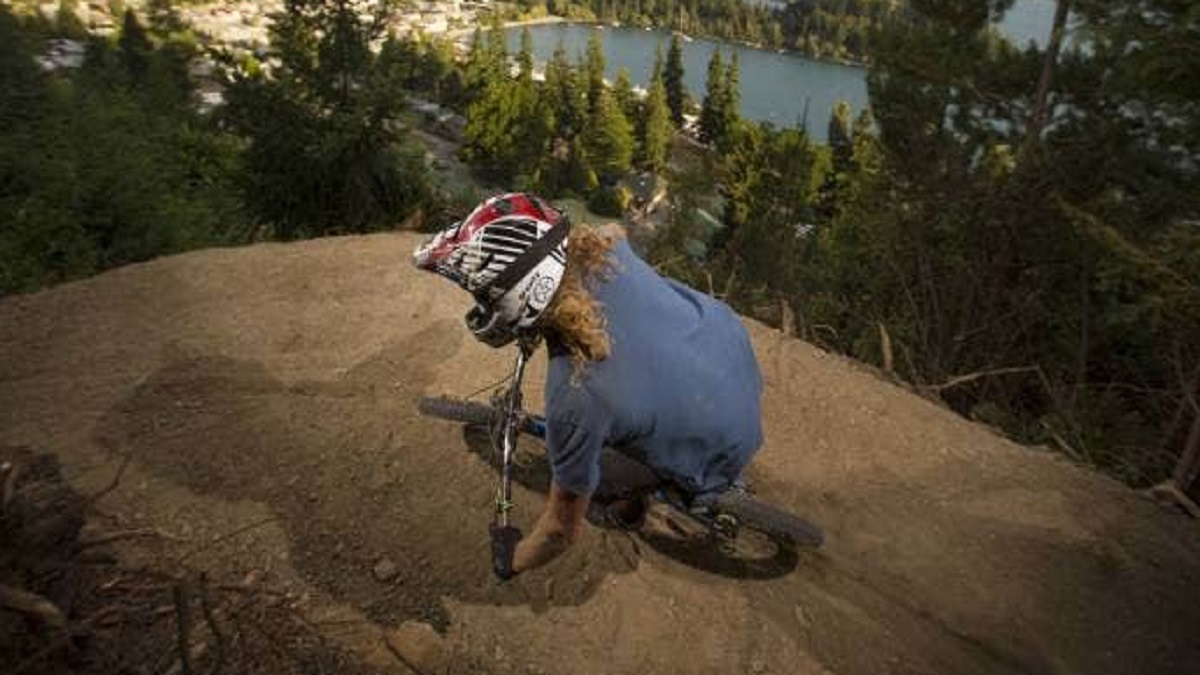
{"x":458,"y":410}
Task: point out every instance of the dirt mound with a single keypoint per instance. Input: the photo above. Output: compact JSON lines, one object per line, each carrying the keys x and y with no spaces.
{"x":264,"y":398}
{"x":69,"y":607}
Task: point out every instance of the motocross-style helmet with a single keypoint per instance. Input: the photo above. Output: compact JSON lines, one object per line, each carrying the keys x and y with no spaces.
{"x":509,"y":254}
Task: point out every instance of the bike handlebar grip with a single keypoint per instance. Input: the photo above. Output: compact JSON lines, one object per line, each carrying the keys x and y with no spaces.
{"x":504,"y":545}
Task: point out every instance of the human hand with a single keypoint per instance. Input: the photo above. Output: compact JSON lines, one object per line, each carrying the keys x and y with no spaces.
{"x":504,"y":545}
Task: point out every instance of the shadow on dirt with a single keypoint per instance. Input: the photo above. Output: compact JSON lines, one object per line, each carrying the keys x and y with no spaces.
{"x":383,"y":508}
{"x":695,"y":549}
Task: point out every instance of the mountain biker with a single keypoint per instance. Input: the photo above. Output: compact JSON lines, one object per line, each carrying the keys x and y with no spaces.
{"x":641,"y":363}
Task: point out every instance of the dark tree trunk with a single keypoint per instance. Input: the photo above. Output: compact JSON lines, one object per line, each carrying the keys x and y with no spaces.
{"x":1040,"y":112}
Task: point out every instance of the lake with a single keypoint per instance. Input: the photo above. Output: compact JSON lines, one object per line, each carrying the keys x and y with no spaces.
{"x":784,"y":89}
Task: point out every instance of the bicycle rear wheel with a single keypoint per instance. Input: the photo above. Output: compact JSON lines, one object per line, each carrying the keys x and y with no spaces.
{"x":759,"y":515}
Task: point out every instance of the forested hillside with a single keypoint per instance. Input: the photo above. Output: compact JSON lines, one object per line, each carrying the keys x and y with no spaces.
{"x":1011,"y":230}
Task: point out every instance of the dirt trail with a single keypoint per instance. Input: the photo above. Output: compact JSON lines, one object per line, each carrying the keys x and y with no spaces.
{"x":266,"y":398}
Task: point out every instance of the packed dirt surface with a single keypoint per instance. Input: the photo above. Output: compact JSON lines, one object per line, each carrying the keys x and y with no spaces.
{"x":265,"y":399}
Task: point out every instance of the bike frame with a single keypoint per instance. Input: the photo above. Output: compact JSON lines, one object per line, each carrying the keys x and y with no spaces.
{"x":512,"y":420}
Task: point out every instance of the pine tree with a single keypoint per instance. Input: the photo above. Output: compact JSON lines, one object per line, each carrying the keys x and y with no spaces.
{"x":594,"y":69}
{"x":839,"y":136}
{"x":608,"y":138}
{"x":731,"y":105}
{"x":658,"y":130}
{"x":565,"y":99}
{"x":673,"y":81}
{"x":478,"y":70}
{"x":525,"y":55}
{"x":713,"y":111}
{"x":135,"y":47}
{"x":324,"y":154}
{"x":623,"y":92}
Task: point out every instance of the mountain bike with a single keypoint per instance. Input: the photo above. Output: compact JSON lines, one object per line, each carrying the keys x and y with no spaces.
{"x":722,"y":517}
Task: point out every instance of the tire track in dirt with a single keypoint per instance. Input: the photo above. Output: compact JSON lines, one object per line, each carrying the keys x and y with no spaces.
{"x":383,"y":509}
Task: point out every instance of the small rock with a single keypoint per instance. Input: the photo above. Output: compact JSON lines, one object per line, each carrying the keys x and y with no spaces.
{"x":758,"y":666}
{"x":386,"y":570}
{"x":802,"y":616}
{"x":420,"y":646}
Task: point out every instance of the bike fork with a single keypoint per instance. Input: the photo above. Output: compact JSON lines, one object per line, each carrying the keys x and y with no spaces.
{"x":511,"y":406}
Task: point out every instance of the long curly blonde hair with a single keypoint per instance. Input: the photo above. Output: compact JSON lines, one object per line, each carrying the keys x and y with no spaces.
{"x":575,"y":318}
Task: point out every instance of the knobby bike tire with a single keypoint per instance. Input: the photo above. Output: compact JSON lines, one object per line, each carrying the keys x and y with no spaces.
{"x":769,"y":519}
{"x":457,"y":410}
{"x":469,"y":412}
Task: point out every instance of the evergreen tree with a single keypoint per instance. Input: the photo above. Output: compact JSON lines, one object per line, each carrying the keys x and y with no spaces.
{"x":673,"y":81}
{"x":565,"y":97}
{"x":839,"y":136}
{"x":608,"y":138}
{"x":525,"y":55}
{"x":95,"y":173}
{"x":594,"y":69}
{"x":732,"y":103}
{"x":713,"y":112}
{"x":480,"y":70}
{"x":622,"y":90}
{"x":135,"y":47}
{"x":324,"y":154}
{"x":658,"y":130}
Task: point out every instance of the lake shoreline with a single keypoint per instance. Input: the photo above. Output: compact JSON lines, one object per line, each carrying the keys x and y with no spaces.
{"x":785,"y":89}
{"x":555,"y":20}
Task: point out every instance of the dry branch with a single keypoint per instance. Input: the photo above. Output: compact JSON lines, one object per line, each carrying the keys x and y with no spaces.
{"x":112,"y":485}
{"x":183,"y":624}
{"x":971,"y":377}
{"x":213,"y":626}
{"x":885,"y":348}
{"x":8,"y":483}
{"x":130,"y":534}
{"x":1168,"y":491}
{"x":32,"y":605}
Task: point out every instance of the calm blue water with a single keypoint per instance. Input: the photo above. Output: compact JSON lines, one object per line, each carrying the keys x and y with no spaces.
{"x":784,"y":89}
{"x":1029,"y":20}
{"x":775,"y":87}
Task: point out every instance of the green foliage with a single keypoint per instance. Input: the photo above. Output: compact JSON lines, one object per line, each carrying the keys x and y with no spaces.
{"x":417,"y":64}
{"x":839,"y":136}
{"x":324,"y":155}
{"x":1059,"y":256}
{"x":841,"y":30}
{"x":608,"y":138}
{"x":623,"y":93}
{"x":107,"y":164}
{"x":673,"y":81}
{"x":656,"y":130}
{"x":610,"y":201}
{"x":719,"y":114}
{"x":565,"y":136}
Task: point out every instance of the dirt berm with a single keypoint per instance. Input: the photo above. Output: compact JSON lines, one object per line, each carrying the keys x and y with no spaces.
{"x":266,"y":399}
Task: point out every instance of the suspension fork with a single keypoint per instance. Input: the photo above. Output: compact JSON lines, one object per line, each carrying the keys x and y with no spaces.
{"x":512,"y":409}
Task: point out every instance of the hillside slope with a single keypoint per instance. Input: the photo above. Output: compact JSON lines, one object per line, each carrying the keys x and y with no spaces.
{"x":266,"y":398}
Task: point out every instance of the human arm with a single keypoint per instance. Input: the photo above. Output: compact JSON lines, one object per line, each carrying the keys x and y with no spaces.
{"x":557,"y":528}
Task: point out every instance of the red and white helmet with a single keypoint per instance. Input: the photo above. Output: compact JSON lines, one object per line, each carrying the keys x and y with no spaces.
{"x":510,"y":254}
